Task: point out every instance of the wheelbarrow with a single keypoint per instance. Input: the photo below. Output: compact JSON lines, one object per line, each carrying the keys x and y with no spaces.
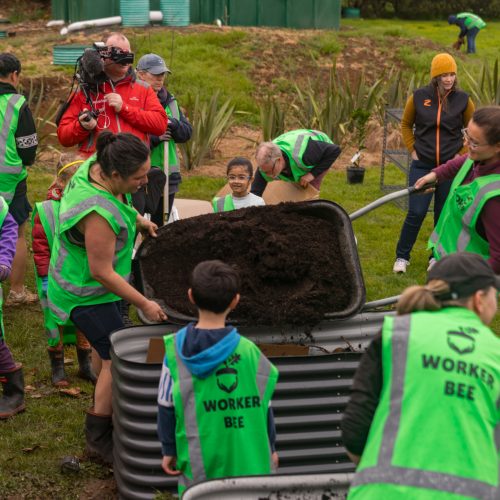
{"x":323,"y":209}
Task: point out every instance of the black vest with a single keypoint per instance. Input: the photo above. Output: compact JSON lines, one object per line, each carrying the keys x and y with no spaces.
{"x":438,"y":130}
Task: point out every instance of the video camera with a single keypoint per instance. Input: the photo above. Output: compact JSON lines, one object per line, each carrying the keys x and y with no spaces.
{"x":90,"y":67}
{"x":89,"y":73}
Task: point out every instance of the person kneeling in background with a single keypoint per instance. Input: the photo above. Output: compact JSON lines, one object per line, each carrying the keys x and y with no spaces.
{"x":207,"y":367}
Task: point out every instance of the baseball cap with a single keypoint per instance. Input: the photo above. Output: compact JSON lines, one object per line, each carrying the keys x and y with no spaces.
{"x":153,"y":64}
{"x":465,"y":273}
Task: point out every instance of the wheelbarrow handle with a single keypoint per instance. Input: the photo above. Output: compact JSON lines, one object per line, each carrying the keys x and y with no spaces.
{"x":387,"y":198}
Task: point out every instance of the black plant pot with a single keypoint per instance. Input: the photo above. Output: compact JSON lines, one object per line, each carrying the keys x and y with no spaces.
{"x":355,"y":175}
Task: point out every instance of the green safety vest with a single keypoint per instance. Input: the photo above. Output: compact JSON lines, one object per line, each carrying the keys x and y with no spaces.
{"x":172,"y":110}
{"x":456,"y":228}
{"x":293,"y":144}
{"x":224,"y":204}
{"x":12,"y":170}
{"x":433,"y":432}
{"x":221,"y":420}
{"x":70,"y":281}
{"x":471,"y":20}
{"x":48,"y":211}
{"x":4,"y":210}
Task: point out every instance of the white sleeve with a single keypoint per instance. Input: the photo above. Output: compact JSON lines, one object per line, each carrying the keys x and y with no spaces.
{"x":165,"y":387}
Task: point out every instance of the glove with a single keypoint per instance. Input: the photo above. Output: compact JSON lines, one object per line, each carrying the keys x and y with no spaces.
{"x":173,"y":123}
{"x":4,"y":272}
{"x":45,"y":284}
{"x":167,"y":136}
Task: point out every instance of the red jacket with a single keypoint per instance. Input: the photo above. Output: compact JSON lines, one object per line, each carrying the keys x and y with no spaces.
{"x":141,"y":114}
{"x":41,"y":249}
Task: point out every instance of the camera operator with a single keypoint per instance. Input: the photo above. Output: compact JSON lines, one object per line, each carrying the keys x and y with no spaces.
{"x":118,"y":102}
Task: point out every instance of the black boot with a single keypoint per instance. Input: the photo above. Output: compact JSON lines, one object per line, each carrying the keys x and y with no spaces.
{"x":12,"y":401}
{"x":59,"y":378}
{"x":99,"y":437}
{"x":85,"y":366}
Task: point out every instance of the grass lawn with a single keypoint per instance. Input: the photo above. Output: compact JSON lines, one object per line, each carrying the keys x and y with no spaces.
{"x":439,"y":32}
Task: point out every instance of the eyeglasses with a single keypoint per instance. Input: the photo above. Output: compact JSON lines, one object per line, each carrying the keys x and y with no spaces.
{"x":472,"y":144}
{"x":241,"y":178}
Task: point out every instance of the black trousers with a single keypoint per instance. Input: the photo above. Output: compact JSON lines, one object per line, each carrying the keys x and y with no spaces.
{"x":150,"y":197}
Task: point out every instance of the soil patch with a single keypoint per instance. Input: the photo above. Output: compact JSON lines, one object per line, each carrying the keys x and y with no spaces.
{"x":291,"y":262}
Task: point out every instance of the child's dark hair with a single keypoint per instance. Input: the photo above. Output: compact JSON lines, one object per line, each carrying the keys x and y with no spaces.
{"x":488,"y":118}
{"x":239,"y":161}
{"x":8,"y":64}
{"x":214,"y":285}
{"x":124,"y":153}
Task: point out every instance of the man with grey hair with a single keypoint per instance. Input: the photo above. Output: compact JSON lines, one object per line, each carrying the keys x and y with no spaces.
{"x":302,"y":156}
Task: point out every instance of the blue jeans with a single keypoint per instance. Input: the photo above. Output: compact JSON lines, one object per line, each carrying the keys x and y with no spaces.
{"x":418,"y":205}
{"x":471,"y":40}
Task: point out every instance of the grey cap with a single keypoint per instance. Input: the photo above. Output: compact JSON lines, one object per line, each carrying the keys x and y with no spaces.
{"x":153,"y":64}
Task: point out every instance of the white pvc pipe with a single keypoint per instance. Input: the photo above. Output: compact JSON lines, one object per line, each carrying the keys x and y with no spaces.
{"x":154,"y":15}
{"x":91,"y":23}
{"x":55,"y":22}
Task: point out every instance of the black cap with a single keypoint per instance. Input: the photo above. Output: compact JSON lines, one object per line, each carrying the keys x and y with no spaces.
{"x":465,"y":273}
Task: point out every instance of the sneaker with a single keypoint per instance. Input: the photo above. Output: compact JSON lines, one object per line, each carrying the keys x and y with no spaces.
{"x":400,"y":265}
{"x":21,"y":298}
{"x":432,"y":261}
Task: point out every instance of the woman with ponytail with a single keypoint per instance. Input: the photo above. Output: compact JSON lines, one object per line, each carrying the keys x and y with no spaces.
{"x":423,"y":412}
{"x":91,"y":262}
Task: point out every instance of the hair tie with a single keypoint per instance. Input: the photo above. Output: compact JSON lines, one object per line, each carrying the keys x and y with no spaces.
{"x":70,"y":164}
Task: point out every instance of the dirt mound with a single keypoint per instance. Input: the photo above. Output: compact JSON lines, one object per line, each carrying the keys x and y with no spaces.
{"x":291,"y":262}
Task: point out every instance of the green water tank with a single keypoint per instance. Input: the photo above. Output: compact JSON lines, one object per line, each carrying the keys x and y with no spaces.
{"x":59,"y":10}
{"x":82,"y":10}
{"x":313,"y":14}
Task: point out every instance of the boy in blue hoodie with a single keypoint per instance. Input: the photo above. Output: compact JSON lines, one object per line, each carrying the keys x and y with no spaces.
{"x":214,"y":414}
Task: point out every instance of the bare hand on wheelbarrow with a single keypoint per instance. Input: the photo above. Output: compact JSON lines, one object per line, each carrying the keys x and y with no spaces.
{"x":430,"y":178}
{"x":153,"y":311}
{"x":306,"y":179}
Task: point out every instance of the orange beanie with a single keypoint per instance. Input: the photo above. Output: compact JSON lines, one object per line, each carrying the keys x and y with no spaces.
{"x":443,"y":63}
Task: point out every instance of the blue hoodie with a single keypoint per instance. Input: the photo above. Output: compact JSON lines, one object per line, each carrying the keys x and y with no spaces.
{"x":202,"y":351}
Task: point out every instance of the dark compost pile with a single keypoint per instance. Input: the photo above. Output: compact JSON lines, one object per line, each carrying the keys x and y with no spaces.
{"x":290,"y":263}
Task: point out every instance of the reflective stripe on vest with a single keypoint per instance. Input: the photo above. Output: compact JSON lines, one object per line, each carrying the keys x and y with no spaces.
{"x":384,"y":472}
{"x":471,"y":20}
{"x":223,"y":204}
{"x":69,"y":261}
{"x":157,"y":152}
{"x":295,"y":151}
{"x":202,"y":413}
{"x":187,"y":391}
{"x":456,"y":228}
{"x":4,"y":210}
{"x":48,"y":212}
{"x":465,"y":236}
{"x":12,"y":170}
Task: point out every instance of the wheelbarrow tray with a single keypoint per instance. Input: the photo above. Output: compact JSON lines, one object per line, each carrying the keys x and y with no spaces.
{"x":322,"y":209}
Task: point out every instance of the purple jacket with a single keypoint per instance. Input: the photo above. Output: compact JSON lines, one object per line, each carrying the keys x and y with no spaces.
{"x":488,"y":224}
{"x":8,"y":240}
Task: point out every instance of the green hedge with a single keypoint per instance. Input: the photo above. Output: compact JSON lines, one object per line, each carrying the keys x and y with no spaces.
{"x":426,"y":9}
